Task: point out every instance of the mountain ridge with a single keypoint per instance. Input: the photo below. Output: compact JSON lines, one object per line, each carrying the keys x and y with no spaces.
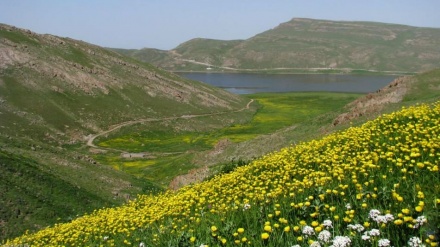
{"x":308,"y":45}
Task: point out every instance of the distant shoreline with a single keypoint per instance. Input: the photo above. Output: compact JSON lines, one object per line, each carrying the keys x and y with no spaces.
{"x":298,"y":71}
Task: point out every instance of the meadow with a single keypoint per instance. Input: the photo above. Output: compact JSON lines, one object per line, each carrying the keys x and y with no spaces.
{"x":372,"y":185}
{"x":171,"y":151}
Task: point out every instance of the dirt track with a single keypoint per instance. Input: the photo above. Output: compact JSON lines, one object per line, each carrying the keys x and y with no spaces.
{"x":118,"y":126}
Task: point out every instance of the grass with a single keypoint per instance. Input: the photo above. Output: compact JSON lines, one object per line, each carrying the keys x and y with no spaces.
{"x":285,"y":109}
{"x":18,"y":37}
{"x":170,"y":152}
{"x":158,"y":170}
{"x":22,"y":208}
{"x":425,"y":86}
{"x":43,"y":184}
{"x":365,"y":186}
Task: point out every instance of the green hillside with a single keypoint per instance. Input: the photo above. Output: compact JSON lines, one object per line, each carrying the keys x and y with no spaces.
{"x":375,"y":184}
{"x":307,"y":45}
{"x":153,"y":56}
{"x":57,"y":93}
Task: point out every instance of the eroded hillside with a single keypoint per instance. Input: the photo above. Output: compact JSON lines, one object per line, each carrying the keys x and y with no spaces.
{"x":89,"y":88}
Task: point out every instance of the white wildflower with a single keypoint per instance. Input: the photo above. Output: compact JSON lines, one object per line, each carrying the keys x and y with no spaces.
{"x":357,"y":227}
{"x":380,"y":219}
{"x":315,"y":244}
{"x":415,"y":242}
{"x":420,"y":221}
{"x":384,"y":218}
{"x":368,"y":234}
{"x":348,"y":206}
{"x":327,"y":224}
{"x":373,"y":214}
{"x":246,"y":206}
{"x":374,"y":232}
{"x":296,"y":245}
{"x":341,"y":241}
{"x":105,"y":238}
{"x":384,"y":242}
{"x":308,"y":230}
{"x":324,"y":236}
{"x":365,"y":237}
{"x":389,"y":217}
{"x":142,"y":244}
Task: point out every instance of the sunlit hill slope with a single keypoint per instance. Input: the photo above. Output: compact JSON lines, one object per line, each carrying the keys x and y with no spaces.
{"x":57,"y":92}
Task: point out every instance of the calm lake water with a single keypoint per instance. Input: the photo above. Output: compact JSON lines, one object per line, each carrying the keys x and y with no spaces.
{"x":257,"y":83}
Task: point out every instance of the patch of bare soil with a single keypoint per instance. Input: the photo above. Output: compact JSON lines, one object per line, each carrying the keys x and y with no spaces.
{"x":10,"y":56}
{"x":375,"y":102}
{"x":220,"y":146}
{"x":142,"y":155}
{"x":193,"y":176}
{"x":198,"y":174}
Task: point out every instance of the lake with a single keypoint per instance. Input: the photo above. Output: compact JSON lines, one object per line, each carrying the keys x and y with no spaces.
{"x":239,"y":83}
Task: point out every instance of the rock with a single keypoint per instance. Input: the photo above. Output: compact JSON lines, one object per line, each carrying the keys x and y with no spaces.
{"x":374,"y":102}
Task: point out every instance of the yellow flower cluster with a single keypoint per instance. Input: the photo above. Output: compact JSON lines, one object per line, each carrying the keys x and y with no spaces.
{"x":390,"y":165}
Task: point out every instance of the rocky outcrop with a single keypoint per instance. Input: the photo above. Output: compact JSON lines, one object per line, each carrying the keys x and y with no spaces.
{"x":374,"y":102}
{"x":193,"y":176}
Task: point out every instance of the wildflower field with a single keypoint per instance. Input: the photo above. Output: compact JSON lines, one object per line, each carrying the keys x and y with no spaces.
{"x":373,"y":185}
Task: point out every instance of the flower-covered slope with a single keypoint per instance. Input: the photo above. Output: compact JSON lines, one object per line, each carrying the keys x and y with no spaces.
{"x":374,"y":185}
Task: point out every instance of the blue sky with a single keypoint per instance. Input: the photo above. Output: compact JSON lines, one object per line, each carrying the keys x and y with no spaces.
{"x":164,"y":24}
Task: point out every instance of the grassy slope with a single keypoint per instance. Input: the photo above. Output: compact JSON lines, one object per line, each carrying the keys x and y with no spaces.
{"x":54,"y":92}
{"x":166,"y":146}
{"x":389,"y":165}
{"x":305,"y":44}
{"x":153,"y":56}
{"x":33,"y":198}
{"x":358,"y":45}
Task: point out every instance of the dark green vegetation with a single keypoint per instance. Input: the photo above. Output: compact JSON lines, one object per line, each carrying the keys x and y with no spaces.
{"x":312,"y":46}
{"x":42,"y":184}
{"x":25,"y":187}
{"x":57,"y":92}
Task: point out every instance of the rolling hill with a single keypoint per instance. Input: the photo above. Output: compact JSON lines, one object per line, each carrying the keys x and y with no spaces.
{"x":375,"y":184}
{"x":308,"y":45}
{"x":55,"y":94}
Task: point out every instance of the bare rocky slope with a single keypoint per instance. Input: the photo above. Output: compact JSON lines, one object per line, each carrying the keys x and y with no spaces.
{"x":308,"y":45}
{"x":57,"y":92}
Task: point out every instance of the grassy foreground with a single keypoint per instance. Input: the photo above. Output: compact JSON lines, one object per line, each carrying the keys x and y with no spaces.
{"x":374,"y":185}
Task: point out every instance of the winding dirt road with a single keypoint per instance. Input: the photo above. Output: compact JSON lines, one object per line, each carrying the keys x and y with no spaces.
{"x":120,"y":125}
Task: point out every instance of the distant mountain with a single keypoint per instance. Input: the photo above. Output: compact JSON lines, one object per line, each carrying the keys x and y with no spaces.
{"x":57,"y":92}
{"x":310,"y":45}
